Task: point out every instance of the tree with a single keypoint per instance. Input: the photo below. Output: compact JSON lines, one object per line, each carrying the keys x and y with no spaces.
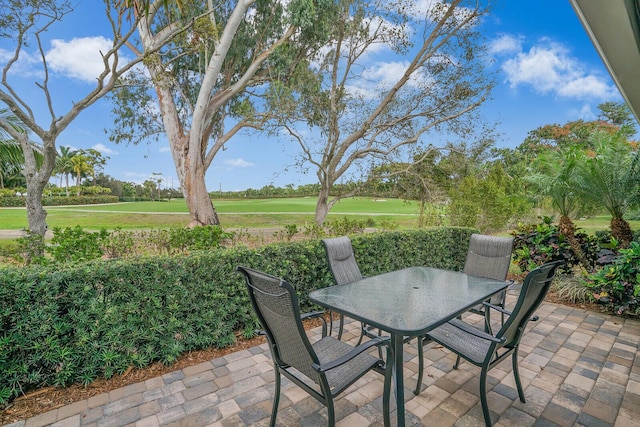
{"x":351,"y":127}
{"x":554,"y":174}
{"x":206,"y":86}
{"x":25,"y":23}
{"x":485,"y":200}
{"x":609,"y":175}
{"x":64,"y":166}
{"x":80,"y":167}
{"x":618,"y":113}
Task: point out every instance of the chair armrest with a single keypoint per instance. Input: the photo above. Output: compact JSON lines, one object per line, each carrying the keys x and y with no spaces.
{"x":319,"y":314}
{"x":496,"y":307}
{"x":507,"y":312}
{"x":475,"y":332}
{"x":350,"y":355}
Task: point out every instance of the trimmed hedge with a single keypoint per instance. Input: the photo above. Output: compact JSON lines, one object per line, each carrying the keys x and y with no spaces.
{"x":70,"y":324}
{"x":18,"y":201}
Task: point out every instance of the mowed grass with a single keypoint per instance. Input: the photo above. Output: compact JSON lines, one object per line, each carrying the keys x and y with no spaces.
{"x":249,"y":213}
{"x":238,"y":214}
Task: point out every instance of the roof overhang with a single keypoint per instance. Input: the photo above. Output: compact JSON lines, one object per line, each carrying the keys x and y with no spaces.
{"x":614,"y":29}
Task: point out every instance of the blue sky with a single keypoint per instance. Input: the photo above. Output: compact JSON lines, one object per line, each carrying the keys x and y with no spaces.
{"x":548,"y":72}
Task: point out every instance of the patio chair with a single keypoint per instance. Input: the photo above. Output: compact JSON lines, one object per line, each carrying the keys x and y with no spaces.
{"x":323,"y":369}
{"x":489,"y":256}
{"x":344,"y":268}
{"x":486,"y":350}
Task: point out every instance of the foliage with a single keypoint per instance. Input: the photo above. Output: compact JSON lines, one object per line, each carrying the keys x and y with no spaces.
{"x":609,"y":176}
{"x":73,"y":244}
{"x":536,"y":244}
{"x":74,"y":323}
{"x":486,"y":200}
{"x":571,"y":289}
{"x":617,"y":285}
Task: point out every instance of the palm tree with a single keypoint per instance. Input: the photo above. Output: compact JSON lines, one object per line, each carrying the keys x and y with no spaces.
{"x":610,"y":177}
{"x":64,"y":165}
{"x":81,"y":167}
{"x":555,"y":178}
{"x":11,"y":155}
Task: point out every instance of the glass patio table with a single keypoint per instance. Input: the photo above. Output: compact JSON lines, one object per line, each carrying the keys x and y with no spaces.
{"x":407,"y":303}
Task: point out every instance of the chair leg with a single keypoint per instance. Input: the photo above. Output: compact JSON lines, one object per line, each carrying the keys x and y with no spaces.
{"x":483,"y":397}
{"x":455,"y":365}
{"x":331,"y":413}
{"x":420,"y":365}
{"x":516,"y":374}
{"x":386,"y":393}
{"x":276,"y":399}
{"x":341,"y":326}
{"x":362,"y":333}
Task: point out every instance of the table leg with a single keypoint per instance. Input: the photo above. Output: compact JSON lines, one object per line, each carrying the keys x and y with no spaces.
{"x":398,"y":354}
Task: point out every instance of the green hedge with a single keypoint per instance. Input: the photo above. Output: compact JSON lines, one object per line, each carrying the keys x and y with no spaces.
{"x":18,"y":201}
{"x":70,"y":324}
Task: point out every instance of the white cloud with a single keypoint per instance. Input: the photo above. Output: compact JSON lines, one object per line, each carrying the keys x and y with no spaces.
{"x":25,"y":64}
{"x":79,"y":58}
{"x":165,"y":149}
{"x":549,"y":69}
{"x":505,"y":44}
{"x":104,"y":149}
{"x":238,"y":163}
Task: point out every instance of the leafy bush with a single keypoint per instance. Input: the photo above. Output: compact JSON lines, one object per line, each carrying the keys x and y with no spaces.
{"x":75,"y":322}
{"x":536,"y":244}
{"x":617,"y":285}
{"x":73,"y":244}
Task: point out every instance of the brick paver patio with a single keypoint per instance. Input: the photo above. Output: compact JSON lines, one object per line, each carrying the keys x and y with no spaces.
{"x":577,"y":367}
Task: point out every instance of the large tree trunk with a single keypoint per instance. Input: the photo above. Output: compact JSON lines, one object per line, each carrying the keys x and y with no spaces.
{"x":621,"y":230}
{"x":322,"y":206}
{"x":196,"y":195}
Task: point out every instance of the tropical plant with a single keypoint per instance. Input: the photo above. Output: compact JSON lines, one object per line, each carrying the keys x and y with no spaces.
{"x":609,"y":176}
{"x":12,"y":160}
{"x":553,"y":173}
{"x":64,"y":165}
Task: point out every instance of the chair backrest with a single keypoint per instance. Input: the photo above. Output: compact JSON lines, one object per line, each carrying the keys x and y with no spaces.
{"x":342,"y":260}
{"x":276,"y":305}
{"x":534,"y":288}
{"x":489,"y":256}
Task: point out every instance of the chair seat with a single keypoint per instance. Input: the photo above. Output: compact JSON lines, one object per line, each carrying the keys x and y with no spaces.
{"x":460,"y":342}
{"x":328,"y":349}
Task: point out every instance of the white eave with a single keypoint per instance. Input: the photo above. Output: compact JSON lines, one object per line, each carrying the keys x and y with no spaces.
{"x":614,"y":28}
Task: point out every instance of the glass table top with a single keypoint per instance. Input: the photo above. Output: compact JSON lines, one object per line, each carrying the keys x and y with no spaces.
{"x":411,"y":301}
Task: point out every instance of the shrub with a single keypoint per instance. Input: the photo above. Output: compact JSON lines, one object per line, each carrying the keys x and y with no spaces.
{"x":536,"y":244}
{"x":76,"y":322}
{"x":617,"y":285}
{"x":73,"y":244}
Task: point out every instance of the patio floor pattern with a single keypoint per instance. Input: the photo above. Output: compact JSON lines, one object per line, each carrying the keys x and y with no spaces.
{"x":578,"y":368}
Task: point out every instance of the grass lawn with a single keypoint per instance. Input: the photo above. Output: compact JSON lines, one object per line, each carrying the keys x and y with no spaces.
{"x":243,"y":213}
{"x":249,"y":213}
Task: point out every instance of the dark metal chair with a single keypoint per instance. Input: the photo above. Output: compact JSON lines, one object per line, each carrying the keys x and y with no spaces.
{"x":487,"y":256}
{"x":344,"y":268}
{"x":323,"y":369}
{"x":486,"y":350}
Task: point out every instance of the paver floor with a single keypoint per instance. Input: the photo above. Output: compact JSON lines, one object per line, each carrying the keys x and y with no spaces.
{"x":578,"y":368}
